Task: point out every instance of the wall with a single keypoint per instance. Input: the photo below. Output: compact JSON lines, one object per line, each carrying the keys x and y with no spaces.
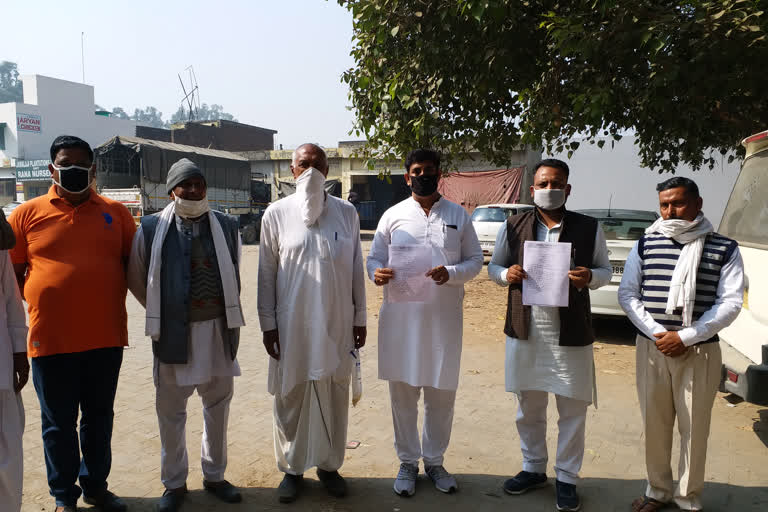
{"x":64,"y":108}
{"x":345,"y":165}
{"x":224,"y":135}
{"x":597,"y":174}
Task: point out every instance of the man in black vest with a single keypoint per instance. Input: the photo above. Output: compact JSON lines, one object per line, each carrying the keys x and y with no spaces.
{"x":185,"y":264}
{"x":549,"y":349}
{"x":682,"y":284}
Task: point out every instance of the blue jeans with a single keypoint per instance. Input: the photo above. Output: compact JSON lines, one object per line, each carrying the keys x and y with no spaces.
{"x":65,"y":383}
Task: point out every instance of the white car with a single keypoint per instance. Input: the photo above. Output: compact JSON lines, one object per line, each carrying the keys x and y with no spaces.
{"x":622,"y":229}
{"x":488,"y":219}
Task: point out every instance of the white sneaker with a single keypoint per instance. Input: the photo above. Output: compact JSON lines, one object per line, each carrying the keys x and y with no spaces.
{"x":405,"y":483}
{"x":443,"y":480}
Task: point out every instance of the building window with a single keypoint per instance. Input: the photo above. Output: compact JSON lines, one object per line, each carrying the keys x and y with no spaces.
{"x":2,"y":135}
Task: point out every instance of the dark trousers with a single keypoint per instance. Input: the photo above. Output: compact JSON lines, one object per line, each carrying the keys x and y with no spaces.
{"x":65,"y":383}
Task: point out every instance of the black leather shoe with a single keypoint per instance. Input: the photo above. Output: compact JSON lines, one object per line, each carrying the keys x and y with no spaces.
{"x":106,"y":502}
{"x":334,"y":483}
{"x":223,"y":490}
{"x":171,"y":499}
{"x":289,"y":488}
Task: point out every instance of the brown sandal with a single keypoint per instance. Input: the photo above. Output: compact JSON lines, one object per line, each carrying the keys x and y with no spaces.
{"x":647,"y":504}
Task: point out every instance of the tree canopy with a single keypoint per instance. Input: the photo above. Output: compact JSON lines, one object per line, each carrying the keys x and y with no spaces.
{"x":10,"y":85}
{"x":684,"y":76}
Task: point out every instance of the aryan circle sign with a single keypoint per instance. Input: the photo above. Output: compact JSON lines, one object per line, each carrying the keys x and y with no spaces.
{"x":28,"y":123}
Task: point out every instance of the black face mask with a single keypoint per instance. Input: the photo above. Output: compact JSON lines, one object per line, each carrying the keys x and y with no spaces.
{"x":74,"y":179}
{"x":424,"y":185}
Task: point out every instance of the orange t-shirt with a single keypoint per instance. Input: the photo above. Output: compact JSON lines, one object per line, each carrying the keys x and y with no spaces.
{"x":75,"y":285}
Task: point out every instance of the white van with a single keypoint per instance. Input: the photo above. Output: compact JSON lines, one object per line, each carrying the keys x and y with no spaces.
{"x":745,"y":342}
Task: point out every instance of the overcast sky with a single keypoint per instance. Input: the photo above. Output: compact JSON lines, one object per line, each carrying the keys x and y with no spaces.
{"x":271,"y":63}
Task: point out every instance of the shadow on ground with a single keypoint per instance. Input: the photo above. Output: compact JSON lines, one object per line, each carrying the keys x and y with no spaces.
{"x":761,"y":426}
{"x":478,"y":493}
{"x":614,"y":330}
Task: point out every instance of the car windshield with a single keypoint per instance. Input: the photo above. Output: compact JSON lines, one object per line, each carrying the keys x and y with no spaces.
{"x":491,"y":214}
{"x":623,"y":224}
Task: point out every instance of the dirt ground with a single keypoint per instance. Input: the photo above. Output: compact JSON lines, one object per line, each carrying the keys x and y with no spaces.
{"x":484,"y":449}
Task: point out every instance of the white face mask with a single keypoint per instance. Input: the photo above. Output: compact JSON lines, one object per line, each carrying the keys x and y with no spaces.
{"x":190,"y":209}
{"x":73,"y":178}
{"x":310,"y":188}
{"x":549,"y":198}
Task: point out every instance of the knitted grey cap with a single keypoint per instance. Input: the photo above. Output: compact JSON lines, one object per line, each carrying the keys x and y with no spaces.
{"x":180,"y":171}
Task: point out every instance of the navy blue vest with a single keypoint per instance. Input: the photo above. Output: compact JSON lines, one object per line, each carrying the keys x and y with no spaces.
{"x":175,"y":276}
{"x":659,"y":256}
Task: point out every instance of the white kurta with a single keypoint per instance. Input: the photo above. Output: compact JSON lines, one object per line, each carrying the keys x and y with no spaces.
{"x":540,"y":363}
{"x":311,"y":288}
{"x":420,"y":344}
{"x":13,"y":339}
{"x":207,"y":356}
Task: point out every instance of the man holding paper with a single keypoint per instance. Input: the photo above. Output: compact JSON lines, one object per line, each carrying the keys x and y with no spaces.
{"x":549,"y":340}
{"x":424,"y":250}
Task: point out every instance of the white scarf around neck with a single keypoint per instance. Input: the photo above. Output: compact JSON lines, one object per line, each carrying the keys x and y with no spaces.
{"x":692,"y":234}
{"x":234,"y":313}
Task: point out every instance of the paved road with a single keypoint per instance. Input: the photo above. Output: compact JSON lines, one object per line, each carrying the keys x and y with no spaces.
{"x":483,"y":452}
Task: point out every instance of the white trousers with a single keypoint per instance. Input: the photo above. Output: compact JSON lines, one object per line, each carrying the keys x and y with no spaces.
{"x":171,"y":405}
{"x":532,"y":427}
{"x":310,"y":426}
{"x":11,"y":453}
{"x":438,"y":421}
{"x":682,"y":387}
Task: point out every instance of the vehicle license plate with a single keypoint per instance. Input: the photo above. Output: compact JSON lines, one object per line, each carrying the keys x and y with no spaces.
{"x":487,"y":245}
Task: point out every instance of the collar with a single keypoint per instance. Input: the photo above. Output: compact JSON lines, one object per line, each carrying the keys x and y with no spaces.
{"x":93,"y":197}
{"x":541,"y":221}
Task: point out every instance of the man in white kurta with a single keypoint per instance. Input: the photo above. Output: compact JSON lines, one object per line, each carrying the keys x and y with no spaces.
{"x":14,"y":372}
{"x":420,"y":342}
{"x":195,"y":350}
{"x":542,"y":364}
{"x":311,"y":302}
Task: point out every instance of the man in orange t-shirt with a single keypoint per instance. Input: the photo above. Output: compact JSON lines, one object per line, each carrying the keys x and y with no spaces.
{"x":70,"y":260}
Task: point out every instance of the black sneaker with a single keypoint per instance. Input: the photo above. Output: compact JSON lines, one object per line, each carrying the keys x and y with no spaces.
{"x":106,"y":502}
{"x":567,"y":497}
{"x":525,"y":481}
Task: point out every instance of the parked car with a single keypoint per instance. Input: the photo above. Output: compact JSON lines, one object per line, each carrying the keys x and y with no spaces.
{"x":488,"y":218}
{"x":622,"y":229}
{"x":744,"y":343}
{"x":7,"y":209}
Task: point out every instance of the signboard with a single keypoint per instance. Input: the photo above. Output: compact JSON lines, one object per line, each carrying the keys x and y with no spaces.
{"x":32,"y":170}
{"x":28,"y":123}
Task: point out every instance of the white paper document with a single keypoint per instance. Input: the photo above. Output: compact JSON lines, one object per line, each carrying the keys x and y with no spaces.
{"x":547,"y":265}
{"x":410,"y":263}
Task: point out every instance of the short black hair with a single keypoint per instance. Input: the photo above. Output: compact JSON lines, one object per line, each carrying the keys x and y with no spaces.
{"x":422,"y":155}
{"x":555,"y":163}
{"x":688,"y":184}
{"x":68,"y":142}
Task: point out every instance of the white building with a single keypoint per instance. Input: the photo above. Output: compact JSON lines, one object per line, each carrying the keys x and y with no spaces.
{"x":51,"y":107}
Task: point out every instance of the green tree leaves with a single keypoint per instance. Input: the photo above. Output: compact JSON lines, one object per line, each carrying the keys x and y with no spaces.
{"x":491,"y":75}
